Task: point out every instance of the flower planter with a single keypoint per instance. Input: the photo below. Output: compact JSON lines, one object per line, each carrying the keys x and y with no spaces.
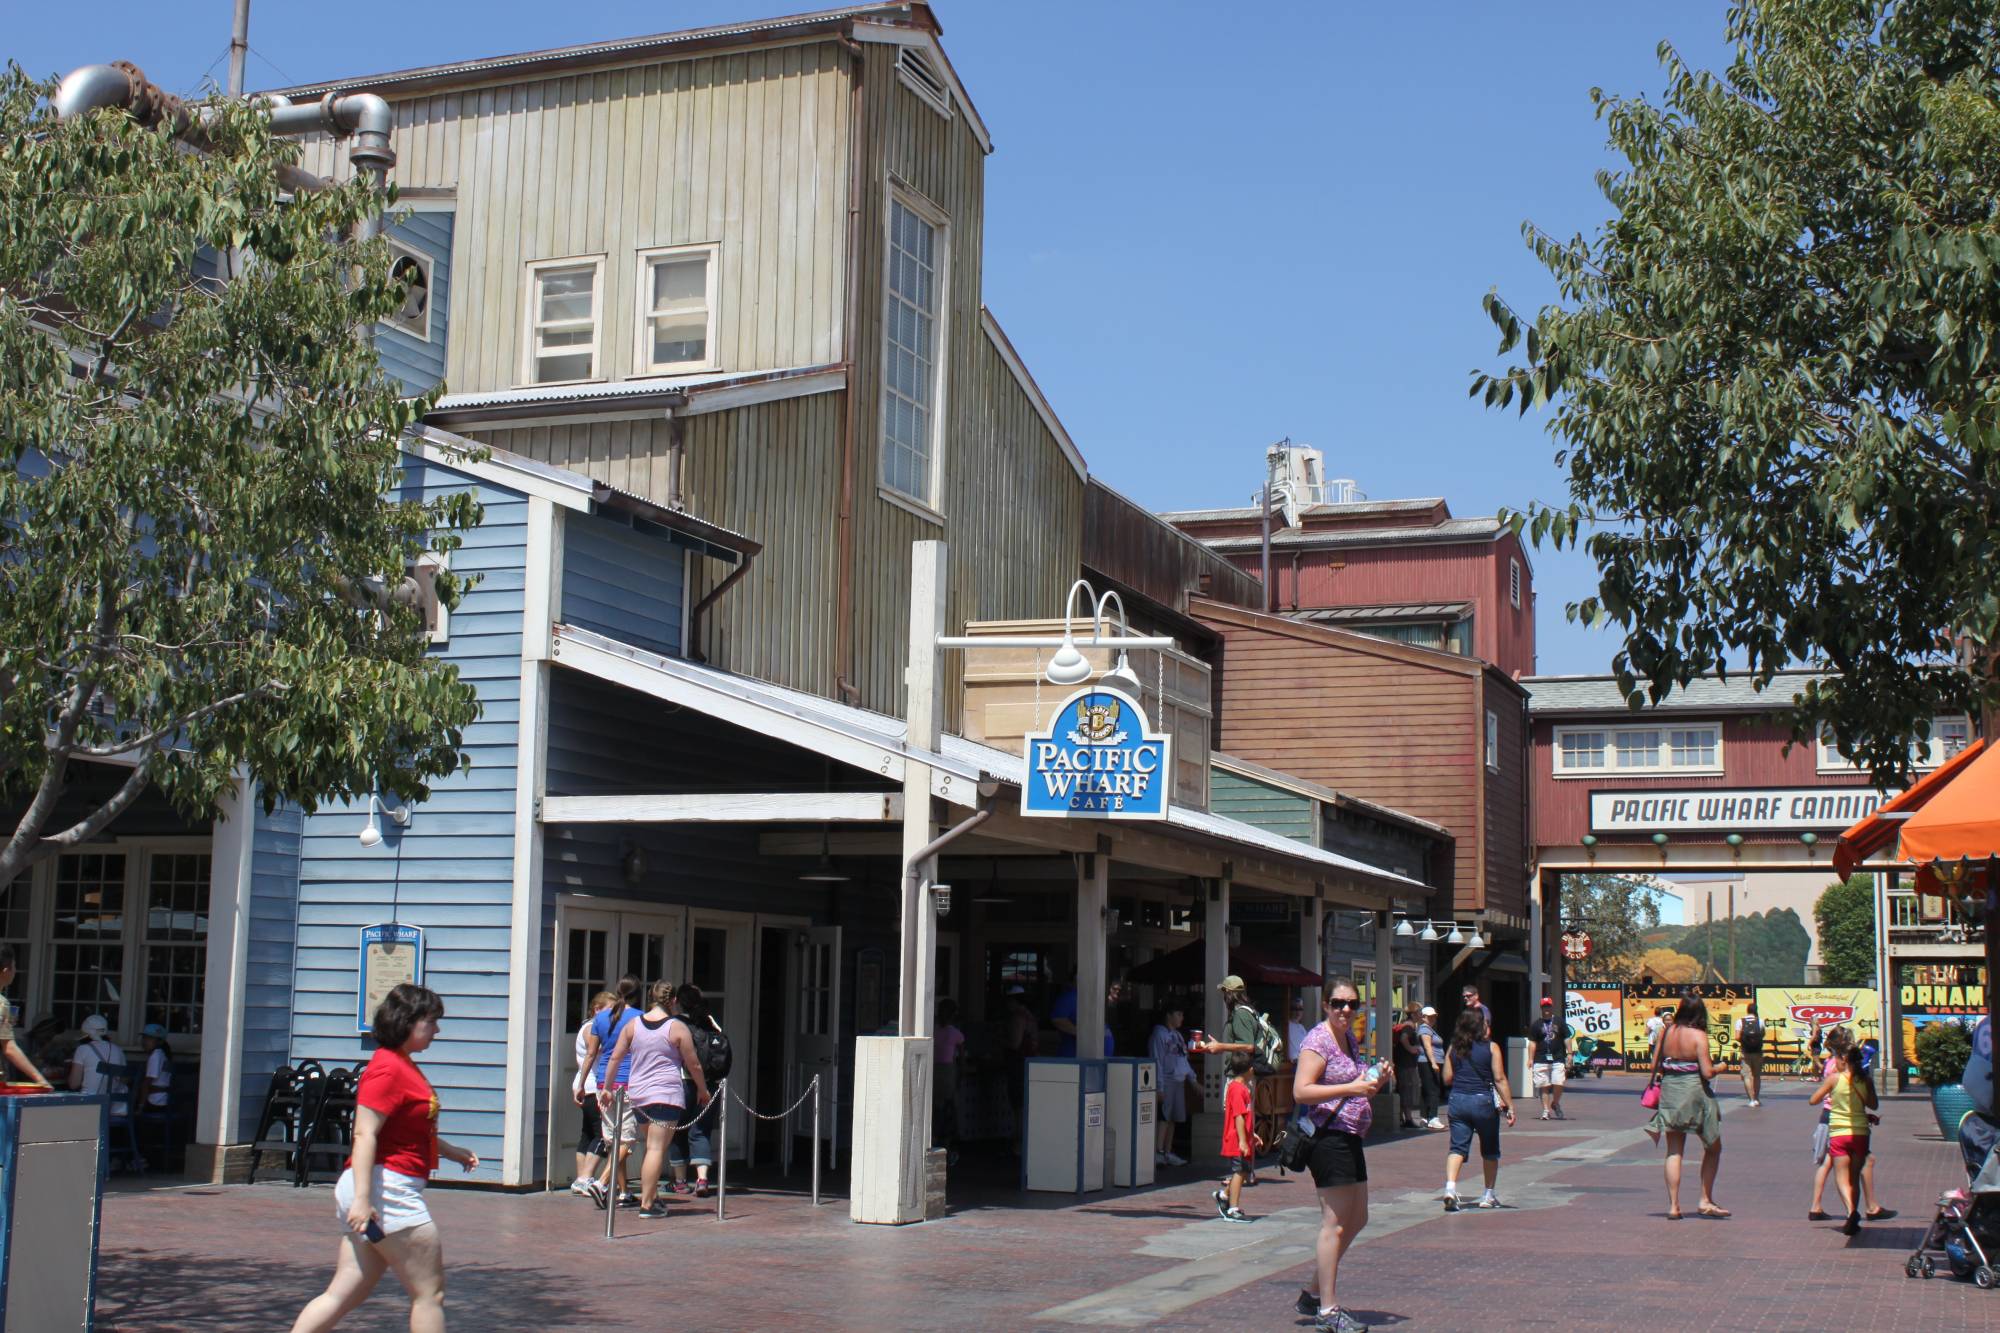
{"x":1950,"y":1103}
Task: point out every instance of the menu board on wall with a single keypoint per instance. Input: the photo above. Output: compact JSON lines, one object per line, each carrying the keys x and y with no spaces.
{"x":390,"y":955}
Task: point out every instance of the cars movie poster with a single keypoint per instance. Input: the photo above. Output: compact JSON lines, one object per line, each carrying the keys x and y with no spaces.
{"x":1790,"y":1011}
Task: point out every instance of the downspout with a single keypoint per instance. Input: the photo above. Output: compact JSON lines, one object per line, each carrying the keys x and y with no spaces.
{"x":843,"y":600}
{"x":1295,"y":580}
{"x":676,"y":497}
{"x":694,"y":651}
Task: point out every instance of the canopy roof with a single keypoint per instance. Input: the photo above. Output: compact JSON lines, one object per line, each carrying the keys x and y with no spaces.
{"x":1962,"y":822}
{"x":1879,"y":830}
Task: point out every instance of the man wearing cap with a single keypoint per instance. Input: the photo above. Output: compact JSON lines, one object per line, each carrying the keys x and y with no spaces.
{"x":1241,"y":1030}
{"x":1551,"y":1037}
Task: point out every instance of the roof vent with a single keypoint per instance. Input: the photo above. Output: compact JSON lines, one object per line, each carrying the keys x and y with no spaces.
{"x":922,"y":78}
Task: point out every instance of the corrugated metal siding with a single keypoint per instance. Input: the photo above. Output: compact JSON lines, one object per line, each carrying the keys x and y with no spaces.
{"x":451,"y":871}
{"x":1753,"y":755}
{"x":628,"y":585}
{"x":747,"y":149}
{"x":1272,"y":809}
{"x":1149,"y":555}
{"x":419,"y":364}
{"x":268,"y":961}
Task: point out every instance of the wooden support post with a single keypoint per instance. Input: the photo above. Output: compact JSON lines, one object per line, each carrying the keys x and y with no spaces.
{"x":925,"y":719}
{"x":1311,"y":912}
{"x":1385,"y":989}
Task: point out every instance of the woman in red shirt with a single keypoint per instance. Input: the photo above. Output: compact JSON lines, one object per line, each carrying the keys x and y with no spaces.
{"x":381,"y":1193}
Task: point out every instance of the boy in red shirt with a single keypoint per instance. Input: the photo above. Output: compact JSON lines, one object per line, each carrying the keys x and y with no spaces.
{"x":1239,"y":1142}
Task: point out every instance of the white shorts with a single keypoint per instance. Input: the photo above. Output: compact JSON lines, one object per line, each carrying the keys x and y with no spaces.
{"x":1548,"y":1075}
{"x":399,"y":1199}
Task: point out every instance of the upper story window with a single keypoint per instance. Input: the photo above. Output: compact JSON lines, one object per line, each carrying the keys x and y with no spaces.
{"x":1949,"y":735}
{"x":413,"y":269}
{"x":912,"y":349}
{"x":677,"y":309}
{"x":1492,"y":740}
{"x":1688,"y":748}
{"x":565,"y":309}
{"x":1514,"y":583}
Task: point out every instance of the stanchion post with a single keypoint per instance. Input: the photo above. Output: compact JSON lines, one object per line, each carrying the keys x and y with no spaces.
{"x":611,"y":1165}
{"x":722,"y":1152}
{"x":815,"y":1092}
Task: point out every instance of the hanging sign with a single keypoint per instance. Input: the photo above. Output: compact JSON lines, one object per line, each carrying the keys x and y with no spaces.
{"x":390,"y":956}
{"x":1576,"y":945}
{"x":1097,"y":761}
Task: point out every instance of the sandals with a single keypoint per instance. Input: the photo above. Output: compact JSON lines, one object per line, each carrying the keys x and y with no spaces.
{"x":1819,"y":1215}
{"x":1710,"y":1210}
{"x":1674,"y":1217}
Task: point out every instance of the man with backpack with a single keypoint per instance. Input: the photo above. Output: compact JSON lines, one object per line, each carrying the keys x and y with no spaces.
{"x":711,"y":1047}
{"x":1750,"y":1038}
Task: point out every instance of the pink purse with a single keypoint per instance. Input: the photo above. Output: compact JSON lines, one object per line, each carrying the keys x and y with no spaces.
{"x":1650,"y":1098}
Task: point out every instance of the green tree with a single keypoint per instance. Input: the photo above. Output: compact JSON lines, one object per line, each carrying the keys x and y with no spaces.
{"x":201,"y":571}
{"x":1774,"y":374}
{"x":1845,"y":914}
{"x":1771,"y":947}
{"x":1618,"y":912}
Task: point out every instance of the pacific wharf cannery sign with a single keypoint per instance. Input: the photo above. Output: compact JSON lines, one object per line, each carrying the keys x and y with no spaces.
{"x":1723,"y":810}
{"x":1097,"y":760}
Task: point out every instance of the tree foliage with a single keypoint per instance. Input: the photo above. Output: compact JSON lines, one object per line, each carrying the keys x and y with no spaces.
{"x":1664,"y":965}
{"x":1771,"y":947}
{"x":1774,"y":374}
{"x":1845,"y":914}
{"x":200,"y":550}
{"x":1617,"y":911}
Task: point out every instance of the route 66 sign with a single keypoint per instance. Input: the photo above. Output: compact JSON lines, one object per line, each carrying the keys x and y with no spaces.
{"x":1576,"y":945}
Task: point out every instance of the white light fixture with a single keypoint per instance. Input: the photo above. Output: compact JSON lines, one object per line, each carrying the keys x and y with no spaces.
{"x":1430,"y":935}
{"x":1068,"y":666}
{"x":1404,"y":929}
{"x":1122,"y":676}
{"x":371,"y":833}
{"x":1457,"y":936}
{"x":941,"y":896}
{"x":1476,"y":940}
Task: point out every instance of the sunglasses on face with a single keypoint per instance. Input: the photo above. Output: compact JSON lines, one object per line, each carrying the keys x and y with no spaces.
{"x":1337,"y":1005}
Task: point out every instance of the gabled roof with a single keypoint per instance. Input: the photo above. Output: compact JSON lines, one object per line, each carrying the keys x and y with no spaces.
{"x":1326,"y":635}
{"x":1004,"y":347}
{"x":1357,"y":509}
{"x":1553,"y":696}
{"x":1315,"y":539}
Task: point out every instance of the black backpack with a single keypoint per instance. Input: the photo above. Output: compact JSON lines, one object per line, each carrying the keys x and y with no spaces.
{"x":711,"y":1045}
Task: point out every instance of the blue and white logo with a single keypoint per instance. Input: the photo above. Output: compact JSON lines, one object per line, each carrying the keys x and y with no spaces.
{"x":1097,"y":760}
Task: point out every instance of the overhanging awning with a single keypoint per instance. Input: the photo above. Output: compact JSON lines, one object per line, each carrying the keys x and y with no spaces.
{"x":1879,"y":831}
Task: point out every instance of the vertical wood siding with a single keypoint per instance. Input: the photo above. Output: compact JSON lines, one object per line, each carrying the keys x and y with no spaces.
{"x":453,"y":872}
{"x":749,"y":150}
{"x":1507,"y":833}
{"x":268,"y":961}
{"x":417,"y":363}
{"x":624,"y":584}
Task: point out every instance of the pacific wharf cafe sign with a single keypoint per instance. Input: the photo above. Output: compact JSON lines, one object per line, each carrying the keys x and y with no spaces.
{"x":1097,"y":760}
{"x":1726,"y":810}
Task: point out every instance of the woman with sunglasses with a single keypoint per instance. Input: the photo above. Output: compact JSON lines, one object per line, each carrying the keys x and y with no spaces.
{"x":1333,"y":1085}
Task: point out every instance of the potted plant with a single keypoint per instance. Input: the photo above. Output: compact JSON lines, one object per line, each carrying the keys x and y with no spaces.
{"x":1942,"y":1050}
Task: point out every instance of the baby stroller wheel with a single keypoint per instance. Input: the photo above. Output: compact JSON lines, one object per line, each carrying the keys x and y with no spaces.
{"x":1911,"y":1268}
{"x":1929,"y":1268}
{"x":1983,"y":1277}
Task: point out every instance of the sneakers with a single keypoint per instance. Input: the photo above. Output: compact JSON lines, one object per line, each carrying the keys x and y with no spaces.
{"x":1173,"y":1159}
{"x":1488,"y":1200}
{"x":657,"y":1210}
{"x":703,"y":1190}
{"x":1307,"y":1304}
{"x":682,"y":1187}
{"x":1236,"y":1215}
{"x":1558,"y":1113}
{"x":1754,"y":1103}
{"x":1338,"y":1321}
{"x":1436,"y":1122}
{"x":1450,"y":1199}
{"x":1221,"y":1203}
{"x":580,"y":1187}
{"x":598,"y":1194}
{"x":628,"y":1200}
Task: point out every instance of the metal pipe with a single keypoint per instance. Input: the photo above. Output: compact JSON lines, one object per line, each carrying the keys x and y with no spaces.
{"x":701,"y":608}
{"x":1266,"y":507}
{"x":93,"y":87}
{"x":676,"y":461}
{"x":815,"y":1092}
{"x":843,"y":581}
{"x":239,"y":47}
{"x":611,"y":1163}
{"x":722,"y":1150}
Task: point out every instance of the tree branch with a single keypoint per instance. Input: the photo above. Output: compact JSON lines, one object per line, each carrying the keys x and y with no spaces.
{"x":94,"y":823}
{"x":160,"y":733}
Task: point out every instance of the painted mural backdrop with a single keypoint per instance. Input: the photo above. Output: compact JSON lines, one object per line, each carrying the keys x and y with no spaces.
{"x":1598,"y":1012}
{"x":1789,"y":1012}
{"x":1937,"y":993}
{"x":1725,"y":1004}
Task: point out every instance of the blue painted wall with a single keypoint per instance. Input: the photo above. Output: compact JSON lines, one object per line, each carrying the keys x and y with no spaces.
{"x":1269,"y":807}
{"x":418,"y":364}
{"x":268,"y":966}
{"x":451,"y":871}
{"x":623,"y":584}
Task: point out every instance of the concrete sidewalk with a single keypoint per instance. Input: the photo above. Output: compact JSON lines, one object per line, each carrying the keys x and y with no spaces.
{"x":1584,"y":1243}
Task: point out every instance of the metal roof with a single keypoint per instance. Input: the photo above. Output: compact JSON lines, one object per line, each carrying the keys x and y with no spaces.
{"x":1306,"y":539}
{"x":1404,"y":612}
{"x":627,"y":393}
{"x":1328,"y":510}
{"x":589,"y":52}
{"x":1548,"y":695}
{"x":1229,"y":763}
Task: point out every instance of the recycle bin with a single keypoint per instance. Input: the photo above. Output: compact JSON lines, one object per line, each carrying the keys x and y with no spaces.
{"x":52,"y":1165}
{"x":1131,"y":1109}
{"x":1063,"y":1150}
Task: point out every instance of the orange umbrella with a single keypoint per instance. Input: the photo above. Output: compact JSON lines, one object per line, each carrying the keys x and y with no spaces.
{"x":1961,"y":822}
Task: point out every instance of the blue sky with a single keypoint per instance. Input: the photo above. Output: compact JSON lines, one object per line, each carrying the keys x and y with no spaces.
{"x":1202,"y":233}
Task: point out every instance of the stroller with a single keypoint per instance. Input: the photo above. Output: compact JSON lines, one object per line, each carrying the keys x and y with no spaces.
{"x":1579,"y":1060}
{"x":1966,"y":1230}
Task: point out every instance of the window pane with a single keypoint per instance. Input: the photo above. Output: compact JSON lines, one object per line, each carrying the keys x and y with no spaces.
{"x":177,"y":941}
{"x":680,"y":338}
{"x":549,"y":368}
{"x":1583,"y":749}
{"x":1638,"y":749}
{"x":1693,"y":747}
{"x":87,"y":953}
{"x":566,"y":337}
{"x":567,"y":293}
{"x":710,"y":954}
{"x":680,"y":284}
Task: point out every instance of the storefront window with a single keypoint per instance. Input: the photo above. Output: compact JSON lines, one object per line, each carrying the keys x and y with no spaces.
{"x":176,"y":941}
{"x":87,"y":961}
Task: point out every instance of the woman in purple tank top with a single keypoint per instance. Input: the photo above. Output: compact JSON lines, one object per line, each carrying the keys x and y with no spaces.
{"x":662,"y":1054}
{"x":1333,"y":1085}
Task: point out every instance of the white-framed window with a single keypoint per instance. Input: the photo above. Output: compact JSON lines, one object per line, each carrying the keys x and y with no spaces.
{"x":1492,"y":741}
{"x":565,"y":320}
{"x":414,"y":268}
{"x":915,"y":282}
{"x":1514,"y":582}
{"x":1687,"y":747}
{"x":1949,"y":735}
{"x":676,"y":309}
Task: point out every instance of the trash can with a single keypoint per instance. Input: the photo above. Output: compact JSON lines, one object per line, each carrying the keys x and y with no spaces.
{"x":1064,"y":1145}
{"x":1521,"y":1068}
{"x":52,"y":1166}
{"x":1131,"y":1109}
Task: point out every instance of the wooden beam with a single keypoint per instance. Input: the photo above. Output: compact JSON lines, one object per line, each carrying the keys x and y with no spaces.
{"x":834,"y":807}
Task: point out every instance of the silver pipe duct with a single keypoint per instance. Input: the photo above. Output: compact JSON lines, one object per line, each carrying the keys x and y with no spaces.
{"x":85,"y":90}
{"x":239,"y":47}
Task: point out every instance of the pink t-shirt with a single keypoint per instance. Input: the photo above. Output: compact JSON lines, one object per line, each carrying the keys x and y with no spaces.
{"x":1355,"y":1113}
{"x":948,"y":1040}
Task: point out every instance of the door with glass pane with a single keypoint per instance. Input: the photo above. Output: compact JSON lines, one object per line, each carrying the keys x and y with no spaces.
{"x":719,"y":963}
{"x":814,"y":1030}
{"x":584,"y":942}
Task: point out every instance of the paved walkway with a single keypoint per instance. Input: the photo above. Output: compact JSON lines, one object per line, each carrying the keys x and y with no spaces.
{"x":1584,"y":1243}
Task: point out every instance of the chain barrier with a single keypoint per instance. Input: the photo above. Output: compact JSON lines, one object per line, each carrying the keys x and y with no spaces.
{"x":811,"y":1089}
{"x":723,"y":1092}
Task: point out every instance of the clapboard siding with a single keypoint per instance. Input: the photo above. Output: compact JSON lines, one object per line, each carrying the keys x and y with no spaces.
{"x":1270,"y":808}
{"x":626,"y":585}
{"x":746,"y":149}
{"x":419,"y":363}
{"x":451,"y":871}
{"x":268,"y":965}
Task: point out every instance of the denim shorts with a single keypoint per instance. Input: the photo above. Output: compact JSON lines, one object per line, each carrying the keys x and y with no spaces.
{"x":1470,"y":1114}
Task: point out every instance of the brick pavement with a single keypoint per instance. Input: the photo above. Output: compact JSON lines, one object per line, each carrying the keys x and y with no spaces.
{"x":1585,"y":1244}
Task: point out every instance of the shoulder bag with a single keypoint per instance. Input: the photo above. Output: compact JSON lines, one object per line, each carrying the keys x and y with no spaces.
{"x":1295,"y":1150}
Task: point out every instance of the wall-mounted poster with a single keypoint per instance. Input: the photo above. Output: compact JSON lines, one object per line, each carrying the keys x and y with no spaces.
{"x":1790,"y":1011}
{"x":1598,"y":1013}
{"x":390,"y":956}
{"x":1937,"y":993}
{"x":1725,"y":1004}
